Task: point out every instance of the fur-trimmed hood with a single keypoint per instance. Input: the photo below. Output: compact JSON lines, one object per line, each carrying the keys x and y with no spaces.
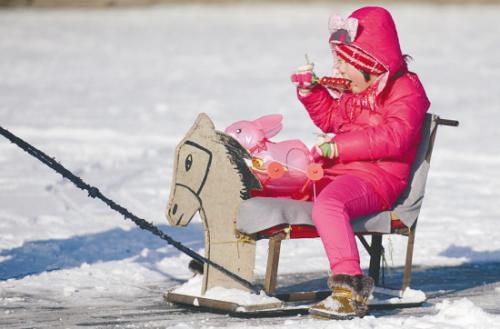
{"x":372,"y":30}
{"x":377,"y":36}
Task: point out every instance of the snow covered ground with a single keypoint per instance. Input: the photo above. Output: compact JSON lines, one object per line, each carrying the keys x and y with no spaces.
{"x":109,"y":93}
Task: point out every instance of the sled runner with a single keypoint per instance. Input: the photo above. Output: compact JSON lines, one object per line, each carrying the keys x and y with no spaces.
{"x":212,"y":177}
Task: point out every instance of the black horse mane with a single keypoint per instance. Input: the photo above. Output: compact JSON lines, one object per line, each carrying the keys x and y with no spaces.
{"x":237,"y":154}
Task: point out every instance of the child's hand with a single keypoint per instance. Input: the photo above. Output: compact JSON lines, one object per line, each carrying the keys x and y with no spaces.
{"x":303,"y":80}
{"x":324,"y":148}
{"x":304,"y":77}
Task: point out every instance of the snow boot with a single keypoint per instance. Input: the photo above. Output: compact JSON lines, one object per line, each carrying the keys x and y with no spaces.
{"x":349,"y":297}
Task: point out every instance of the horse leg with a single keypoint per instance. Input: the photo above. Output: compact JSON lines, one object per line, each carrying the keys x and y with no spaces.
{"x":236,"y":256}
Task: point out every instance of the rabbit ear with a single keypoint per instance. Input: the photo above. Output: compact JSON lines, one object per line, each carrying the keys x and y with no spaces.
{"x":270,"y":124}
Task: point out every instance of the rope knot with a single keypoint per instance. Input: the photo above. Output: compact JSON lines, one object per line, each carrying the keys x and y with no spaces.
{"x":93,"y":192}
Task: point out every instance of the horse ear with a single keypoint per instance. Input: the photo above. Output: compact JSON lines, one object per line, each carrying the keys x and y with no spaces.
{"x":270,"y":124}
{"x":203,"y":120}
{"x":202,"y":128}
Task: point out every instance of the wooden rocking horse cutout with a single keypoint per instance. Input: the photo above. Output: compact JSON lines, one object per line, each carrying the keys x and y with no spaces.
{"x":212,"y":177}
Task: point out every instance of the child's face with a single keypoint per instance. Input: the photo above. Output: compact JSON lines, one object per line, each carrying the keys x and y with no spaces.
{"x":358,"y":82}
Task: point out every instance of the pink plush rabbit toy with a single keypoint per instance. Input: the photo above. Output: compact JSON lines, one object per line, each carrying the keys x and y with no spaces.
{"x":285,"y":168}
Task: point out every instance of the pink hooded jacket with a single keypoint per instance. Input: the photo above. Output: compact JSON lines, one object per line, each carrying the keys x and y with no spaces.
{"x":377,"y":132}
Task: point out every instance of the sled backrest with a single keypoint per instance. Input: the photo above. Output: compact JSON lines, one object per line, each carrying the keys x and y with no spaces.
{"x":408,"y":206}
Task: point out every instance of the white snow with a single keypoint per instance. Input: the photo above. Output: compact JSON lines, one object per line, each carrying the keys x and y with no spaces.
{"x":453,"y":315}
{"x":409,"y":296}
{"x":109,"y":93}
{"x":412,"y":294}
{"x":193,"y":288}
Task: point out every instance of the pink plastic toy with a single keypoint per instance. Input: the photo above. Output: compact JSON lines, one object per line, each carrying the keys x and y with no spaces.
{"x":285,"y":168}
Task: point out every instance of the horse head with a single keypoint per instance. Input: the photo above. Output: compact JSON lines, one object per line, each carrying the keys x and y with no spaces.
{"x":191,"y":167}
{"x":203,"y":160}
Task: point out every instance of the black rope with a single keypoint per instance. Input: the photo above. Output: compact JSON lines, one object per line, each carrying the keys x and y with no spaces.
{"x":95,"y":193}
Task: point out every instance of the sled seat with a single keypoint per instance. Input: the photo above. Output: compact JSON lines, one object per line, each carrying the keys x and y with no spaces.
{"x":308,"y":231}
{"x":278,"y":219}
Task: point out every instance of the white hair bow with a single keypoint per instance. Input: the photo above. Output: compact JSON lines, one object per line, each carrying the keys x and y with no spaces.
{"x":342,"y":30}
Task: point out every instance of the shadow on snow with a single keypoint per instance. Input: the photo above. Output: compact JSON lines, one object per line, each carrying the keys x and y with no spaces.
{"x":35,"y":257}
{"x":470,"y":255}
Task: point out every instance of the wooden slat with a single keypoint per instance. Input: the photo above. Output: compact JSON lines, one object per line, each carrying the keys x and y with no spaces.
{"x":409,"y":258}
{"x":215,"y":304}
{"x":273,"y":258}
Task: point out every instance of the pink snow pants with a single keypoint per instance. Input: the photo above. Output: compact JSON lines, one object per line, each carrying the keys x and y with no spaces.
{"x":345,"y":198}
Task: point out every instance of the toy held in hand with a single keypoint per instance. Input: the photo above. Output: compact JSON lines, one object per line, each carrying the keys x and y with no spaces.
{"x":339,"y":84}
{"x":285,"y":168}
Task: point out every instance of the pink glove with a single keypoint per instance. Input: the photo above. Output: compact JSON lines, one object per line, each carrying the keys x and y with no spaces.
{"x":304,"y":77}
{"x":303,"y":80}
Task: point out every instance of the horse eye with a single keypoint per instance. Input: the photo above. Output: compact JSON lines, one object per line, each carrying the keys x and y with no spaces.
{"x":188,"y":162}
{"x":238,"y":130}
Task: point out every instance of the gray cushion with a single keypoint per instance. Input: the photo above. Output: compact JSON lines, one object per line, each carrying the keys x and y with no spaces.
{"x":258,"y":214}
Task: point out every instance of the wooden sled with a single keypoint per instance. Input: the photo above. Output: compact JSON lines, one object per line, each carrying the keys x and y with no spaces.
{"x":211,"y":177}
{"x":384,"y":299}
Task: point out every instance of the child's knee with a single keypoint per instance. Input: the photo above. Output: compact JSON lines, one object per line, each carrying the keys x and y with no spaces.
{"x":329,"y":210}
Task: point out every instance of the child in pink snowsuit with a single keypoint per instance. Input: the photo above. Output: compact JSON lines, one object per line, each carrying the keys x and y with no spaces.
{"x":377,"y":131}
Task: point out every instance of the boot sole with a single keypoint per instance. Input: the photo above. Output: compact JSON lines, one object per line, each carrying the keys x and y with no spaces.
{"x":325,"y":315}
